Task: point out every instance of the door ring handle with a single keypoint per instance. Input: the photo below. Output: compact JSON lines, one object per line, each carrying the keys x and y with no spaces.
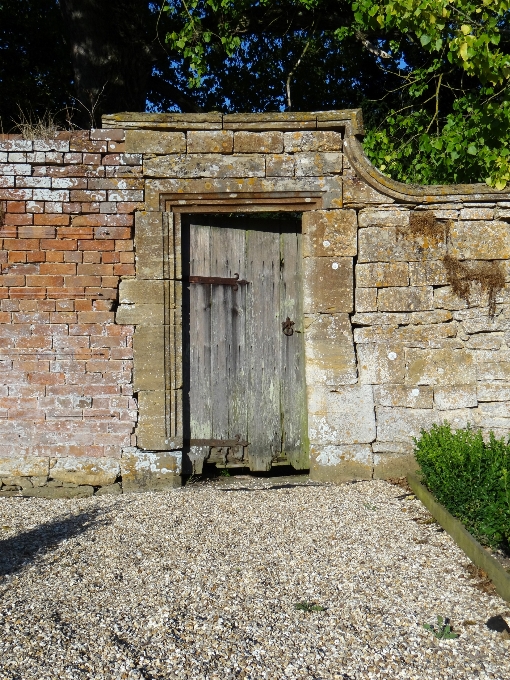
{"x":287,"y":326}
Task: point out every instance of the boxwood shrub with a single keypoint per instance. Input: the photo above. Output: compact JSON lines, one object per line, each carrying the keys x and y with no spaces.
{"x":470,"y":476}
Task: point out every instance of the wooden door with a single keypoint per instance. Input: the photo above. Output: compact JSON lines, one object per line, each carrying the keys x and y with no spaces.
{"x":244,"y":372}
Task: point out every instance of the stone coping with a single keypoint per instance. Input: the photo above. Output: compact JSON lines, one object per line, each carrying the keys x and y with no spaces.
{"x":476,"y":553}
{"x":350,"y":120}
{"x":416,"y":193}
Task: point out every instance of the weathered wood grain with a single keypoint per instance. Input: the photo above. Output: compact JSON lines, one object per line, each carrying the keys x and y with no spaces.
{"x":227,"y":256}
{"x":292,"y":368}
{"x":234,"y":245}
{"x":246,"y":377}
{"x":200,"y":341}
{"x":263,"y":332}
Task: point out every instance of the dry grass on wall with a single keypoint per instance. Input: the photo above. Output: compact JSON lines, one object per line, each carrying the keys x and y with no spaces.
{"x":43,"y":128}
{"x":425,"y":224}
{"x":488,"y":274}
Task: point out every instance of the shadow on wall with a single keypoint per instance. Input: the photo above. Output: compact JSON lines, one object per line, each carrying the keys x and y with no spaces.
{"x":18,"y":550}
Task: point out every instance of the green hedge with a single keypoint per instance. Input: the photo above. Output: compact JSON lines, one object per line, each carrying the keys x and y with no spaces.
{"x":470,"y":477}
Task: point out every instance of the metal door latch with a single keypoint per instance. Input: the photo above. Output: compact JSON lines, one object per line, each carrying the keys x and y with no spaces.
{"x":287,"y":326}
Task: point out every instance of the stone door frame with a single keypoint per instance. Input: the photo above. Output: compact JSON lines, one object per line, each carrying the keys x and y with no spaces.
{"x":152,"y":301}
{"x":214,"y":163}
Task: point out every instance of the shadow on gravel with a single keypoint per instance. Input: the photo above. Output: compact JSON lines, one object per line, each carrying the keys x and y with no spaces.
{"x":17,"y":550}
{"x":498,"y":624}
{"x":269,"y":488}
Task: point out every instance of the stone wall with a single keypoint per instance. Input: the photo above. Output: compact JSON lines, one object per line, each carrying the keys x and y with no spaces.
{"x":424,"y":355}
{"x":390,"y":348}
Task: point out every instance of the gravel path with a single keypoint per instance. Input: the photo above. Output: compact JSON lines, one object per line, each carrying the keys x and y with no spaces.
{"x":202,"y":583}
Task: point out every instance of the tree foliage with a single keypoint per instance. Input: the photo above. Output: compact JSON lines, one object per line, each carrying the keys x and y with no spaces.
{"x":442,"y":113}
{"x":467,"y":32}
{"x":431,"y":75}
{"x":455,"y":124}
{"x":471,"y":143}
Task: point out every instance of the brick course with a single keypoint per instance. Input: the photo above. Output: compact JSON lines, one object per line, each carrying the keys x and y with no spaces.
{"x":57,"y":333}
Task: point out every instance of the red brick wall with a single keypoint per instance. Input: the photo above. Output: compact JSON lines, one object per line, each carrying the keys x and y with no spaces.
{"x":66,"y":225}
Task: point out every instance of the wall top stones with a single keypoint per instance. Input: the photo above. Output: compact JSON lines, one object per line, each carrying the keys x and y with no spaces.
{"x":350,"y":119}
{"x":415,"y":193}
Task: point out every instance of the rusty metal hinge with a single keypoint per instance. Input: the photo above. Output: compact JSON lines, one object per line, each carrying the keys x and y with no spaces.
{"x":227,"y":443}
{"x":235,"y":282}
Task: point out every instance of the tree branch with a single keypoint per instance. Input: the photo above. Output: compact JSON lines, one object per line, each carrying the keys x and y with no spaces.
{"x":435,"y":116}
{"x":287,"y":84}
{"x":370,"y":46}
{"x":175,"y":94}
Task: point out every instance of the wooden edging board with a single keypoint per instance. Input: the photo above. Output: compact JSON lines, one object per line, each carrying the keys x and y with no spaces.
{"x":476,"y":553}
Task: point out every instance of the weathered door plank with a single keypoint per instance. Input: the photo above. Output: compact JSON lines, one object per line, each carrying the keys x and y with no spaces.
{"x":263,"y":338}
{"x":293,"y":406}
{"x":227,"y":333}
{"x":235,"y":336}
{"x":200,"y":387}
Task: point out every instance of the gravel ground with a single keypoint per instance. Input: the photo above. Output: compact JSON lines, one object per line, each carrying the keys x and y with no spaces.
{"x":202,"y":582}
